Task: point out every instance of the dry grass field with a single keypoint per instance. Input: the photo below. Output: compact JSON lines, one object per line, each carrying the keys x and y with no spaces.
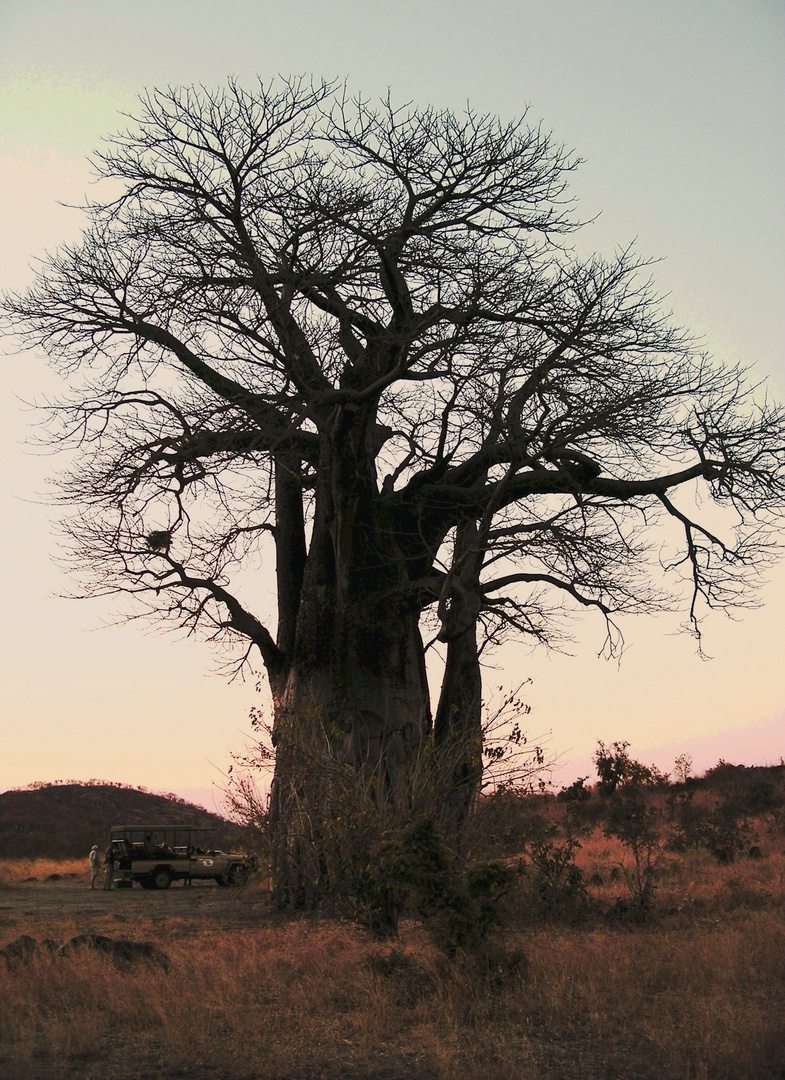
{"x":696,"y":992}
{"x":17,"y":871}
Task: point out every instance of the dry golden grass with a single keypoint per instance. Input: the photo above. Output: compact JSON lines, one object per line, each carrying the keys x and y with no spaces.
{"x":697,"y":992}
{"x":697,"y":999}
{"x":16,"y":871}
{"x":691,"y":882}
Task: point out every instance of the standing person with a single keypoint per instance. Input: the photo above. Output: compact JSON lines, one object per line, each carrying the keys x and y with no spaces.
{"x":108,"y":867}
{"x":95,"y":861}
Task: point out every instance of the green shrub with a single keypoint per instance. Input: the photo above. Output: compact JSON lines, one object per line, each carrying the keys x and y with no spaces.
{"x":634,"y":821}
{"x":556,"y":885}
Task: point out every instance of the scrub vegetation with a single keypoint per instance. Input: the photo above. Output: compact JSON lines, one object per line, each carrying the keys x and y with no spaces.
{"x":627,"y":941}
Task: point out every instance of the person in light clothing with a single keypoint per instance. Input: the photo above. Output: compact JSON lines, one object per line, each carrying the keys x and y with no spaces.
{"x":95,"y":864}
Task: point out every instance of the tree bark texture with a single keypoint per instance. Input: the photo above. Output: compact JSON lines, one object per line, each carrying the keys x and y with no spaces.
{"x":356,"y":690}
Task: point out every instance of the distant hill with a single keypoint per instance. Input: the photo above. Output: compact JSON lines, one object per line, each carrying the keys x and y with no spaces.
{"x":64,"y":820}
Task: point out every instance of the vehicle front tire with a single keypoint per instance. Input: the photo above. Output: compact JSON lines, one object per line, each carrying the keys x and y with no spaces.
{"x":161,"y":878}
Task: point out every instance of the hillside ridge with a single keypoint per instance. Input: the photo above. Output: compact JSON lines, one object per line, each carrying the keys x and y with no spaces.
{"x":63,"y":820}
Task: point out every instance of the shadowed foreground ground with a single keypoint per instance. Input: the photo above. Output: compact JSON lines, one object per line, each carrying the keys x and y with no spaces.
{"x":696,"y":994}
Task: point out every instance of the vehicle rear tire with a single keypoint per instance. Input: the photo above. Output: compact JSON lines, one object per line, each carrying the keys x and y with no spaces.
{"x":146,"y":883}
{"x":161,"y":878}
{"x":238,"y":875}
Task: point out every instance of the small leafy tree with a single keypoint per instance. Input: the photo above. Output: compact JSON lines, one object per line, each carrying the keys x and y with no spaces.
{"x":557,"y":881}
{"x":616,"y":768}
{"x":575,"y":792}
{"x":632,"y":817}
{"x":635,"y":820}
{"x":682,"y":768}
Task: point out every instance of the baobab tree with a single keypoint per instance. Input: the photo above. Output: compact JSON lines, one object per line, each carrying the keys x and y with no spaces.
{"x":354,"y":334}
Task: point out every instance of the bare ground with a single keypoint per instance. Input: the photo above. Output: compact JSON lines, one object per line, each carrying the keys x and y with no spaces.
{"x":40,"y":903}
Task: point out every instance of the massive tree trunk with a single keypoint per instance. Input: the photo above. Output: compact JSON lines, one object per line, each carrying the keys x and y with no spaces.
{"x":356,"y":693}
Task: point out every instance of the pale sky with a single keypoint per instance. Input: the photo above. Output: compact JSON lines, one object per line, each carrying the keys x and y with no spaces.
{"x":678,"y":110}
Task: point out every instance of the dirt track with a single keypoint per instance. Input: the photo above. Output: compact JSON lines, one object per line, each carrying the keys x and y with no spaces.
{"x":33,"y":905}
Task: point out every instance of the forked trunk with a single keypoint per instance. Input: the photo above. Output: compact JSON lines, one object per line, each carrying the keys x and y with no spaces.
{"x":458,"y":731}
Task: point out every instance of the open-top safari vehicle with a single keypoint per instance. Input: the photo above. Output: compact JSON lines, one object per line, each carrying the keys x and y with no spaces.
{"x":157,"y":855}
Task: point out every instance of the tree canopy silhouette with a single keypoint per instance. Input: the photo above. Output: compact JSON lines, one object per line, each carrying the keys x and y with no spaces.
{"x":355,"y":335}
